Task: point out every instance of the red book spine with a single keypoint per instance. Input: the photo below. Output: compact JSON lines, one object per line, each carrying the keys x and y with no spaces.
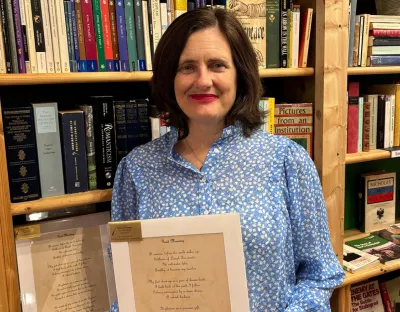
{"x":105,"y":14}
{"x":385,"y":32}
{"x":352,"y":129}
{"x":385,"y":298}
{"x":88,"y":29}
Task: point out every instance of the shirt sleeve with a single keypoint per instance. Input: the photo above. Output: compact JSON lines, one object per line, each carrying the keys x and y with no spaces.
{"x":123,"y":202}
{"x":318,"y":271}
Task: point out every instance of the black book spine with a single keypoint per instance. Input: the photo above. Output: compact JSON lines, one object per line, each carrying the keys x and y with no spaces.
{"x":72,"y":130}
{"x":103,"y":117}
{"x":144,"y":131}
{"x":120,"y":129}
{"x":21,"y":153}
{"x":380,"y":124}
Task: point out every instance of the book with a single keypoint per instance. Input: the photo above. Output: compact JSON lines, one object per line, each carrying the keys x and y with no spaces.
{"x":354,"y":259}
{"x":366,"y":298}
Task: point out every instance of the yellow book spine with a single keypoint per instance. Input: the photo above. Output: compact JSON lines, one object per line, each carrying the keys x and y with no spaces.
{"x":271,"y":115}
{"x":396,"y":136}
{"x":180,"y":7}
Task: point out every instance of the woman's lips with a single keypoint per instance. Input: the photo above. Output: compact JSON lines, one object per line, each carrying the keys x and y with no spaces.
{"x":203,"y":98}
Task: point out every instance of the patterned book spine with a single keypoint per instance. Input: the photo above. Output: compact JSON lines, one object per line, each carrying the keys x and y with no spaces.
{"x":39,"y":36}
{"x":22,"y":162}
{"x":24,"y":36}
{"x":3,"y":67}
{"x":284,"y":34}
{"x":90,"y":36}
{"x":272,"y":34}
{"x":105,"y":18}
{"x":18,"y":36}
{"x":146,"y":33}
{"x":366,"y":126}
{"x":90,"y":146}
{"x":73,"y":147}
{"x":122,"y":43}
{"x":47,"y":37}
{"x":120,"y":129}
{"x":11,"y":36}
{"x":70,"y":37}
{"x":140,"y":35}
{"x":75,"y":35}
{"x":114,"y":34}
{"x":81,"y":36}
{"x":131,"y":35}
{"x":99,"y":35}
{"x":54,"y":37}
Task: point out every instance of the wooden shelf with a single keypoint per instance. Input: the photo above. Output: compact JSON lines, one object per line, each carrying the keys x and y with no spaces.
{"x":380,"y":70}
{"x":369,"y":272}
{"x":64,"y":201}
{"x":366,"y":156}
{"x":36,"y":79}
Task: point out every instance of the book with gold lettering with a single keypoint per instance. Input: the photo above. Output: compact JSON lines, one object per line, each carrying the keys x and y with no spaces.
{"x":178,"y":264}
{"x":63,"y":265}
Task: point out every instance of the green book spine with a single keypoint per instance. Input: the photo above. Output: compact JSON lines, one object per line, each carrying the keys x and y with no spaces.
{"x":140,"y":35}
{"x":273,"y":38}
{"x":99,"y":35}
{"x":131,"y":35}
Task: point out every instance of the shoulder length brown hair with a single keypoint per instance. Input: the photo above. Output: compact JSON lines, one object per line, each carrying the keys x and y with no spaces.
{"x":166,"y":61}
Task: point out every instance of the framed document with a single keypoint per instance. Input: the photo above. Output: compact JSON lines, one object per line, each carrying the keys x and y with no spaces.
{"x":180,"y":264}
{"x":64,"y":265}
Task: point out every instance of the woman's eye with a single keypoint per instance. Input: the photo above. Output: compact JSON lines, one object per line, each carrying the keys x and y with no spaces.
{"x":187,"y":68}
{"x":218,"y":66}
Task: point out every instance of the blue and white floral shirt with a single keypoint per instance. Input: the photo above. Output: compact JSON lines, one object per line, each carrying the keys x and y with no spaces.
{"x":271,"y":182}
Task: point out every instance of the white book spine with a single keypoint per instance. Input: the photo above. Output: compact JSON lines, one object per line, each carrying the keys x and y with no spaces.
{"x":146,"y":32}
{"x":360,"y":123}
{"x":164,"y":17}
{"x":373,"y":99}
{"x":296,"y":39}
{"x":387,"y":122}
{"x":62,"y":35}
{"x":392,"y":112}
{"x":30,"y":36}
{"x":24,"y":30}
{"x":47,"y":36}
{"x":54,"y":36}
{"x":3,"y":68}
{"x":156,"y":21}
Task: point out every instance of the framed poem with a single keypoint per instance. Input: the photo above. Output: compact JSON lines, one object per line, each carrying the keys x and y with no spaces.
{"x":193,"y":263}
{"x":64,"y":265}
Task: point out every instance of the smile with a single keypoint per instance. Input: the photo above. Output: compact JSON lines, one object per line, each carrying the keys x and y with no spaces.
{"x":204,"y":98}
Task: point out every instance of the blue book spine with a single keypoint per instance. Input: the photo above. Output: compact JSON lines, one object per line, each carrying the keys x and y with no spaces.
{"x":122,"y":44}
{"x":383,"y":60}
{"x":75,"y":37}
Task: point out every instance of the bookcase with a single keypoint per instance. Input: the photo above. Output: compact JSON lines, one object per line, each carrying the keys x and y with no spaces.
{"x":323,"y":83}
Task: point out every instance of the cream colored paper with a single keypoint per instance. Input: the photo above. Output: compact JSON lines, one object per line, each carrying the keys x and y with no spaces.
{"x":180,"y":273}
{"x":69,"y":274}
{"x":217,"y":242}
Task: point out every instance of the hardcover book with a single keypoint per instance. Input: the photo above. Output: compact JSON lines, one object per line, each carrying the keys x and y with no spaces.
{"x":22,"y":161}
{"x":49,"y":149}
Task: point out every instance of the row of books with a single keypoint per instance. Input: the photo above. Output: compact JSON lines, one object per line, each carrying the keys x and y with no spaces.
{"x":374,"y":40}
{"x":373,"y":119}
{"x":279,"y":30}
{"x":51,"y":152}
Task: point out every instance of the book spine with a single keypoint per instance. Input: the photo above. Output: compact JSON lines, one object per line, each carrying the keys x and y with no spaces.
{"x":47,"y":37}
{"x":40,"y":46}
{"x":3,"y":66}
{"x":90,"y":146}
{"x":70,"y":37}
{"x":108,"y":52}
{"x":384,"y":60}
{"x":11,"y":36}
{"x":131,"y":35}
{"x":132,"y":125}
{"x":5,"y":35}
{"x":272,"y":33}
{"x":156,"y":21}
{"x":22,"y":162}
{"x":62,"y":35}
{"x":352,"y":22}
{"x":385,"y":297}
{"x":380,"y":125}
{"x":49,"y":149}
{"x":360,"y":123}
{"x":24,"y":36}
{"x":75,"y":36}
{"x":146,"y":33}
{"x":120,"y":129}
{"x":54,"y":36}
{"x":105,"y":141}
{"x":90,"y":36}
{"x":140,"y":35}
{"x":81,"y":37}
{"x":122,"y":42}
{"x":99,"y":35}
{"x":114,"y":34}
{"x":352,"y":125}
{"x":378,"y":41}
{"x":143,"y":121}
{"x":73,"y":142}
{"x":385,"y":32}
{"x":150,"y":27}
{"x":18,"y":36}
{"x":366,"y":127}
{"x":284,"y":34}
{"x":164,"y":16}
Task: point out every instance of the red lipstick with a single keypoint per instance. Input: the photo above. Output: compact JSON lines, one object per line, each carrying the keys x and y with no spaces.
{"x":203,"y":98}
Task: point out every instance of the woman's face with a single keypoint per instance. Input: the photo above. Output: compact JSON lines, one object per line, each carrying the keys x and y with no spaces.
{"x":205,"y":83}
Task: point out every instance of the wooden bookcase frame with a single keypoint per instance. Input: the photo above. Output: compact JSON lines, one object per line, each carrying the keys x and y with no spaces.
{"x":329,"y":93}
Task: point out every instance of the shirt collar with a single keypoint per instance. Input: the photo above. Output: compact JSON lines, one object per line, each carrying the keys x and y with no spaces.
{"x":231,"y":131}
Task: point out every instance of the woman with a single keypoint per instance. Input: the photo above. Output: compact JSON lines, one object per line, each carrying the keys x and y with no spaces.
{"x":217,"y":160}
